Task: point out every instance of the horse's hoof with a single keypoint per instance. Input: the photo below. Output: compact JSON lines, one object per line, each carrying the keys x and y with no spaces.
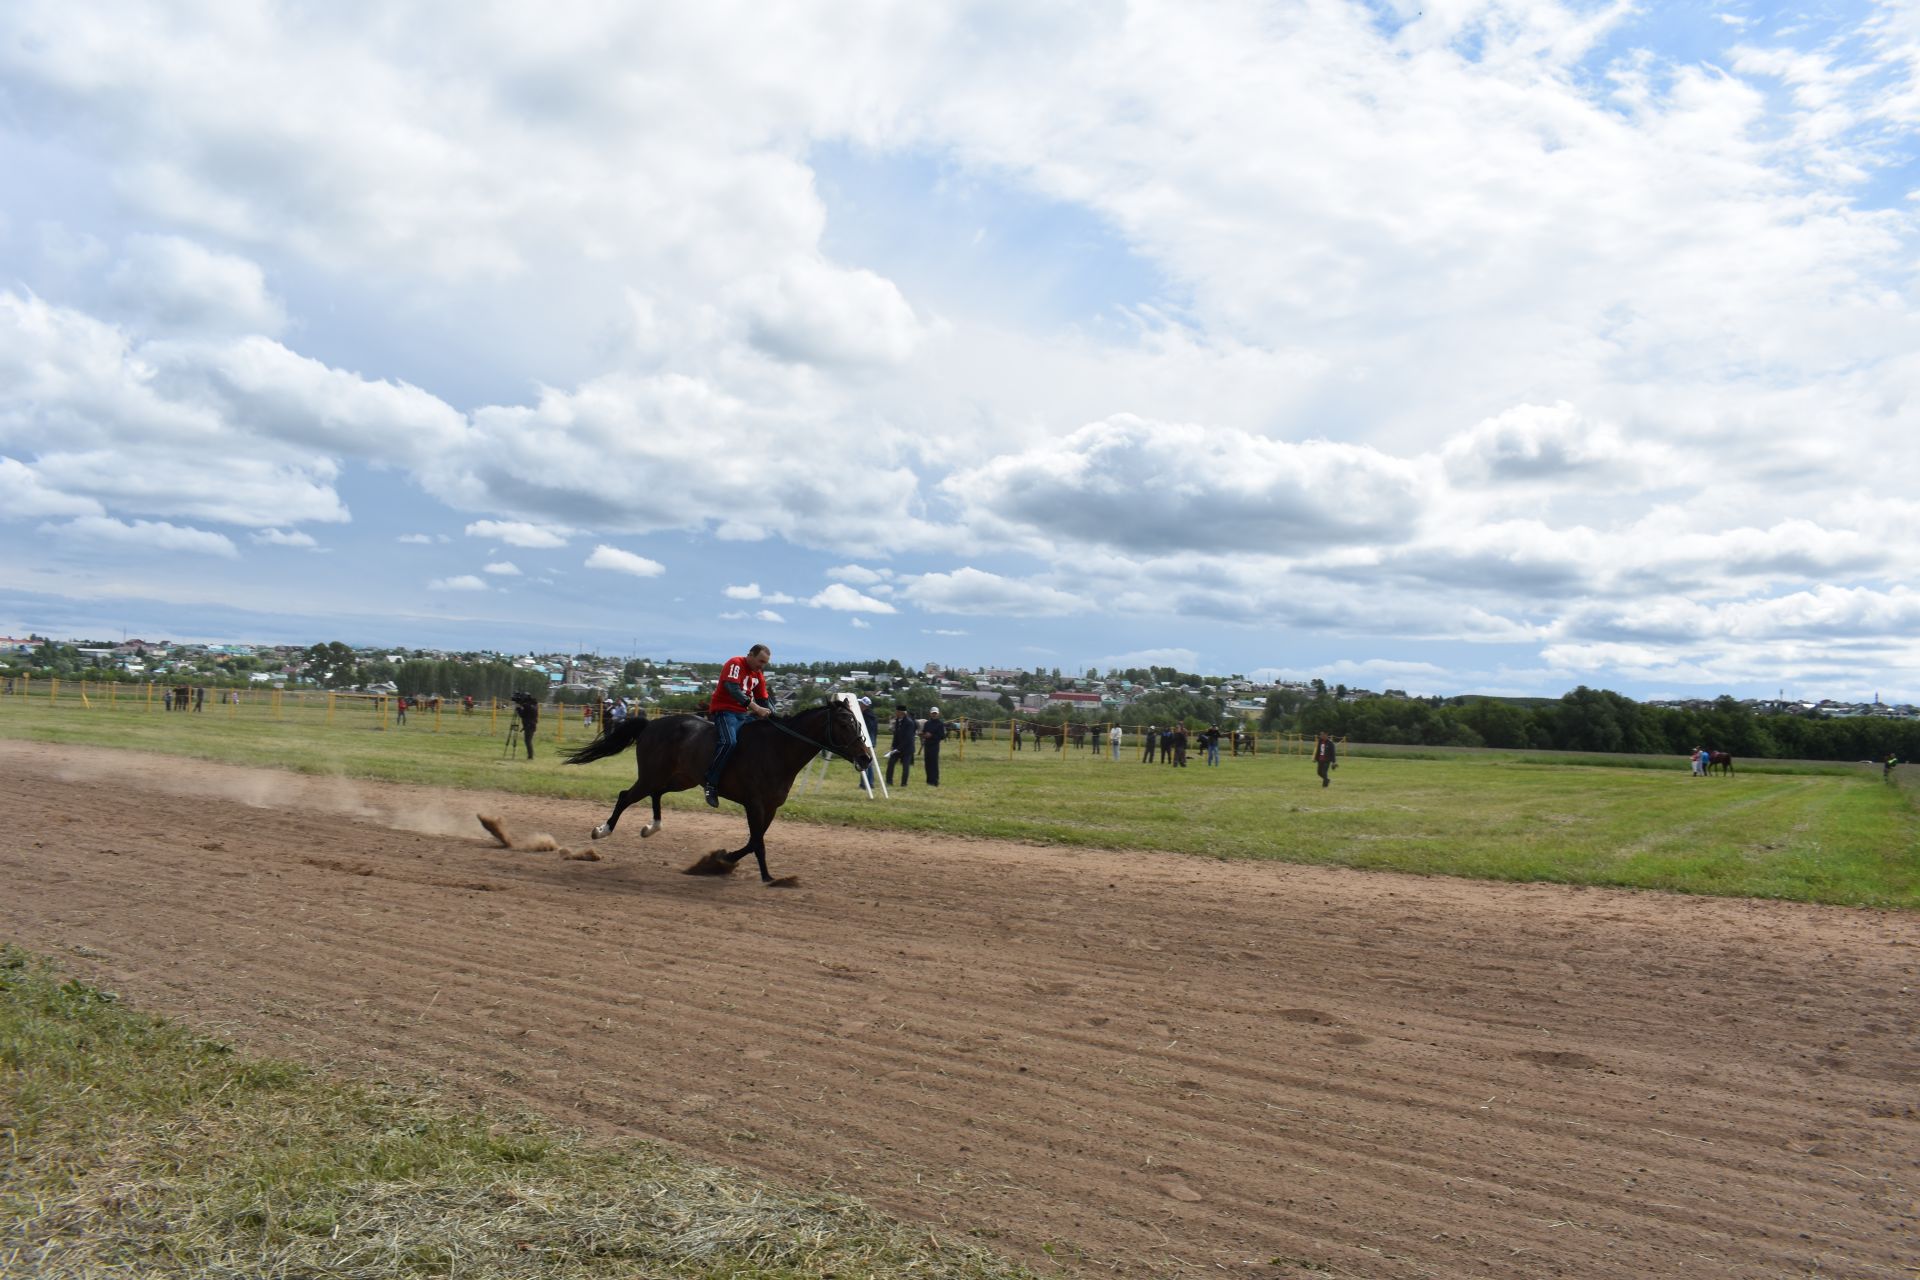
{"x":600,"y":832}
{"x":647,"y":830}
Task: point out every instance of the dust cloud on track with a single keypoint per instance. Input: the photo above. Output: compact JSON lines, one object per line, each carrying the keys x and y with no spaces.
{"x":1154,"y":1065}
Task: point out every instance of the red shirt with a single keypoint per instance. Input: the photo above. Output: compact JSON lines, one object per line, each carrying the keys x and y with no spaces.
{"x":752,"y":683}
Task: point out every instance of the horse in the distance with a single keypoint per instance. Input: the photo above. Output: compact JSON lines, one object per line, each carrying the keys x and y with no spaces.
{"x":674,"y":752}
{"x":1057,"y":734}
{"x":1720,"y":760}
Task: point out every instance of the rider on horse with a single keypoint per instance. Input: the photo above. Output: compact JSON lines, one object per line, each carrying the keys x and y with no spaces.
{"x":741,"y":694}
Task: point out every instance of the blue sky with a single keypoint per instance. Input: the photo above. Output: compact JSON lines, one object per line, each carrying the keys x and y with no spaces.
{"x":1478,"y":345}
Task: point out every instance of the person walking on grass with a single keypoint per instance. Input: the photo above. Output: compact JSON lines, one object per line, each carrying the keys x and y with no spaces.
{"x":1212,"y":740}
{"x":933,"y":732}
{"x":902,"y":753}
{"x":1325,"y":758}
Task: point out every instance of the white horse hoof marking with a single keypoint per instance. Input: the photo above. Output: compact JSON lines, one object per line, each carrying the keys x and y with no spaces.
{"x":600,"y":832}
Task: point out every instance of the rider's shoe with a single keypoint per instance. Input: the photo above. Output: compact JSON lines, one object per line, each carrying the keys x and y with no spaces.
{"x":713,"y":798}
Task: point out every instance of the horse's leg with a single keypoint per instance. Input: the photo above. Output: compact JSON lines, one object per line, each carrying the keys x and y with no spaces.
{"x":758,"y":820}
{"x":653,"y":826}
{"x":620,"y":804}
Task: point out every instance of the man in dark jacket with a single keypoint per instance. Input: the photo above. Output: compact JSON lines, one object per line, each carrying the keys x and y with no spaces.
{"x":902,"y":754}
{"x":529,"y":712}
{"x":1150,"y":737}
{"x":933,"y":732}
{"x":1323,"y":757}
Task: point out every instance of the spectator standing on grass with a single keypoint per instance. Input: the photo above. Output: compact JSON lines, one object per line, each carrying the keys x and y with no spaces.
{"x":1212,"y":740}
{"x":902,"y":753}
{"x":166,"y":700}
{"x":1152,"y":736}
{"x":1166,"y":745}
{"x":1324,"y":758}
{"x":199,"y":699}
{"x":529,"y":713}
{"x":1114,"y":735}
{"x":1180,"y":746}
{"x":933,"y":732}
{"x":399,"y":710}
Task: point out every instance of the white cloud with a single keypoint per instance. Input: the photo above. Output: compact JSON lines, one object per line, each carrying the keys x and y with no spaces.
{"x":840,"y":596}
{"x":751,"y":591}
{"x":1180,"y":659}
{"x":618,"y":561}
{"x":860,"y":624}
{"x":177,"y":285}
{"x":284,"y":538}
{"x":460,"y":582}
{"x":1152,"y":486}
{"x":858,"y":575}
{"x":23,"y":494}
{"x":975,"y":591}
{"x":417,"y":539}
{"x":504,"y":568}
{"x":768,"y":615}
{"x":518,"y":533}
{"x":1470,"y":347}
{"x":142,"y":535}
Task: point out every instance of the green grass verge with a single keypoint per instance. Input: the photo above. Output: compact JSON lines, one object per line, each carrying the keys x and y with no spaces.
{"x":133,"y":1147}
{"x":1804,"y":831}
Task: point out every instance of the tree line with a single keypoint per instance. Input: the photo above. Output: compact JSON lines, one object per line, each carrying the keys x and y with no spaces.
{"x":1593,"y":720}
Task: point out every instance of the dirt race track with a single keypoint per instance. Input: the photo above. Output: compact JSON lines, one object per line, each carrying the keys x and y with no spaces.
{"x":1159,"y":1065}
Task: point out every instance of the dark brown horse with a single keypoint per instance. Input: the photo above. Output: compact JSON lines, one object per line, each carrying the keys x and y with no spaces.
{"x":674,"y":752}
{"x":1720,"y":760}
{"x":1057,"y":733}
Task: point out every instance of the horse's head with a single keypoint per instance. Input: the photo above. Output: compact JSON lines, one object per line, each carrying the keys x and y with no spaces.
{"x":850,"y":728}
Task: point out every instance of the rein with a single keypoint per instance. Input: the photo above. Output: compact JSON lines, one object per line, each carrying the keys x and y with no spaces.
{"x":826,"y":746}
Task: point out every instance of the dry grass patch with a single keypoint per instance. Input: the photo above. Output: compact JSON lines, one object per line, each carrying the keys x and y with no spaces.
{"x":132,"y":1147}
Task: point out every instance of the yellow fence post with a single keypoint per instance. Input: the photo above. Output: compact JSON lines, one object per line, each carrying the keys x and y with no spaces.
{"x":329,"y":711}
{"x":493,"y":715}
{"x":53,"y":690}
{"x":436,"y":715}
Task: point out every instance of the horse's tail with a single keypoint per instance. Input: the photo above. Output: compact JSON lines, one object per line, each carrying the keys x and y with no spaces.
{"x":611,"y":743}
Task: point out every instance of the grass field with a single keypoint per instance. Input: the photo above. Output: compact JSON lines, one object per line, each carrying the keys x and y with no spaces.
{"x":1817,"y":833}
{"x":134,"y":1147}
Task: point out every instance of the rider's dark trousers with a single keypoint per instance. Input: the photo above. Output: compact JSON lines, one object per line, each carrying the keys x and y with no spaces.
{"x":726,"y":726}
